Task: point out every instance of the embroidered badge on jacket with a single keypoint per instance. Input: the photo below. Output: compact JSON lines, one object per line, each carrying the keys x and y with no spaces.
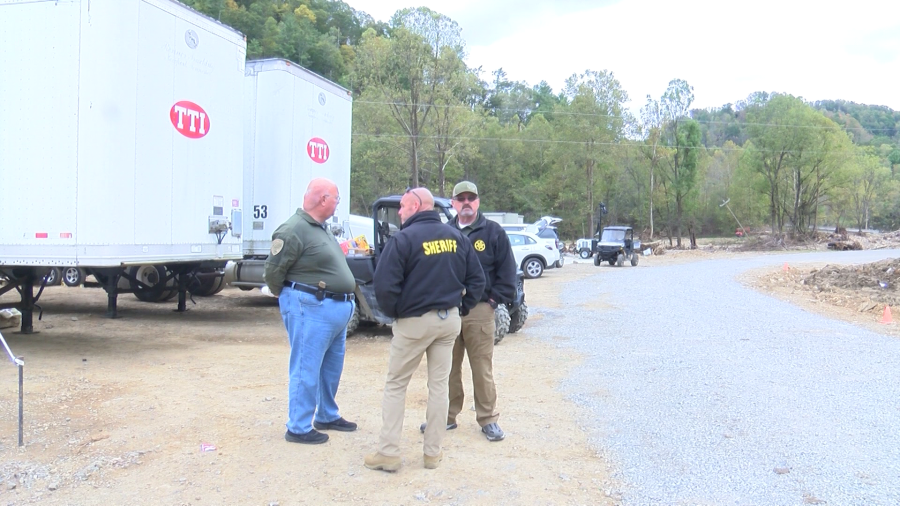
{"x":277,"y":246}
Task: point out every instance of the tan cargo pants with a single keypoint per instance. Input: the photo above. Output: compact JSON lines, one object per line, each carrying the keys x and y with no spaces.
{"x":433,"y":336}
{"x":477,"y":340}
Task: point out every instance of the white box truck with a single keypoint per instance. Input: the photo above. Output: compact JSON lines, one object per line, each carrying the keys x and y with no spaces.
{"x":120,"y":143}
{"x":297,"y":128}
{"x":504,"y":217}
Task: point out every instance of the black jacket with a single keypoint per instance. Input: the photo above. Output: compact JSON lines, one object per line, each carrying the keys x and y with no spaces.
{"x":426,"y":266}
{"x":496,"y":256}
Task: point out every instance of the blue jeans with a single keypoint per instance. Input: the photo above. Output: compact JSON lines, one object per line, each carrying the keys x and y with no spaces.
{"x":317,"y":330}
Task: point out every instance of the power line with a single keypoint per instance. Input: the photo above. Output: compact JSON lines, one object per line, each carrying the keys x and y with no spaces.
{"x":623,"y":118}
{"x":596,"y":143}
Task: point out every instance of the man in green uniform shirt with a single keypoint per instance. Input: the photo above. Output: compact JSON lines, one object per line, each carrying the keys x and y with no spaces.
{"x":308,"y":272}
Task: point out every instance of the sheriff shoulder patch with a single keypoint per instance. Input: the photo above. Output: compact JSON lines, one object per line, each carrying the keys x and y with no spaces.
{"x":277,"y":246}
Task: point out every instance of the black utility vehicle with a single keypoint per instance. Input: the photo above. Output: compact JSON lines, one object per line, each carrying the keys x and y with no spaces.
{"x":385,"y":214}
{"x":616,"y":245}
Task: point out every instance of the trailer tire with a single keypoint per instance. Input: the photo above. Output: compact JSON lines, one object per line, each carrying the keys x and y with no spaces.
{"x":151,"y":275}
{"x":585,"y":254}
{"x":73,"y":276}
{"x":207,"y":286}
{"x":53,"y":277}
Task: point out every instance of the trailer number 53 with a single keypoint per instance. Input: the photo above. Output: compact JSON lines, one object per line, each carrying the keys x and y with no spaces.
{"x":260,"y":212}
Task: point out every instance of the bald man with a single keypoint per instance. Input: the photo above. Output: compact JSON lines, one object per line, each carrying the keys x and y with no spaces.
{"x":308,"y":272}
{"x":427,"y":274}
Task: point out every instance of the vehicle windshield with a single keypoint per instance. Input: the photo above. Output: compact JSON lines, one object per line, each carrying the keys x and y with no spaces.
{"x":391,"y":216}
{"x":612,"y":235}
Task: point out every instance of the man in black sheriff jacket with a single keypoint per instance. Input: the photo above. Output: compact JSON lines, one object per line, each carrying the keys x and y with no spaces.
{"x":477,"y":336}
{"x":427,"y":274}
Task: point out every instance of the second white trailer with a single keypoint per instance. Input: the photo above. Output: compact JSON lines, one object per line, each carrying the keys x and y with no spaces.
{"x":297,"y":128}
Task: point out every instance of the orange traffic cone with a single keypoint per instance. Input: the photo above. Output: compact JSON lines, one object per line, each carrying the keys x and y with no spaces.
{"x":886,"y":318}
{"x":785,"y":268}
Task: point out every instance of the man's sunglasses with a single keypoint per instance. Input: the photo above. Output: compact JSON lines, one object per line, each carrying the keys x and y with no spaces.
{"x":416,"y":195}
{"x":463,"y":198}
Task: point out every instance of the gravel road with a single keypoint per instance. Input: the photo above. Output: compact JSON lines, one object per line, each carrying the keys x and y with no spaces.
{"x":704,"y":392}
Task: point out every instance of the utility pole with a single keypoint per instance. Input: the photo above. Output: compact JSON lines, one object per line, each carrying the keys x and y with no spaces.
{"x":725,"y":203}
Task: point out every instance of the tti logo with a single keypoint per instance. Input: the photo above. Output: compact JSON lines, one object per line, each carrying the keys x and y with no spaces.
{"x":189,"y":119}
{"x":317,"y":149}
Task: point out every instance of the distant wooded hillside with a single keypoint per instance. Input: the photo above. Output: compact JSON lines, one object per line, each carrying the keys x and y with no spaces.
{"x":423,"y":117}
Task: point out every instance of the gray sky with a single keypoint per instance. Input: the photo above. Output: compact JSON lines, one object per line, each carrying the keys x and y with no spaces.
{"x":724,"y":49}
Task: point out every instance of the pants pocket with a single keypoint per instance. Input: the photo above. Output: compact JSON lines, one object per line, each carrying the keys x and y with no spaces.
{"x":352,"y":309}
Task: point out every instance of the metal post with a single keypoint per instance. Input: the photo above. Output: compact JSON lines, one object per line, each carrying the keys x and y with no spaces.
{"x":21,"y":365}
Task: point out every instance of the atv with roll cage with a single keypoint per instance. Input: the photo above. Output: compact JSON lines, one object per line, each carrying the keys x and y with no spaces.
{"x":617,"y":245}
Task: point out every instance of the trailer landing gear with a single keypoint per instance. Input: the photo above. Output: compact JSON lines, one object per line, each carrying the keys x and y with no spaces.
{"x":23,"y":280}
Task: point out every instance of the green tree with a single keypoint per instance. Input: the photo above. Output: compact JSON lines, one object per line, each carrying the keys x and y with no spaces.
{"x":775,"y":142}
{"x":653,"y":149}
{"x":683,"y":137}
{"x":452,"y":122}
{"x":866,"y":177}
{"x":592,"y":122}
{"x":410,"y":73}
{"x":379,"y":147}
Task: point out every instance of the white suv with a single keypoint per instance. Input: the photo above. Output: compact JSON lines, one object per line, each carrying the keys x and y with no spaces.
{"x":545,"y":228}
{"x":532,"y":253}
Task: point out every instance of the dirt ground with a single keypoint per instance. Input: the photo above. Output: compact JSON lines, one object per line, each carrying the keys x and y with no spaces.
{"x":122,"y":411}
{"x":119,"y":412}
{"x":857,"y":294}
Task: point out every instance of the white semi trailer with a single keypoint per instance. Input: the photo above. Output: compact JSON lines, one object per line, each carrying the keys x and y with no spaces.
{"x":297,"y":128}
{"x":120,"y":144}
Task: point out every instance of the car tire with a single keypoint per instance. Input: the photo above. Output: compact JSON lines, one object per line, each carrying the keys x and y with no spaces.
{"x":533,"y":267}
{"x":584,"y":254}
{"x":634,"y":259}
{"x":501,"y":323}
{"x":620,"y":259}
{"x":72,"y":276}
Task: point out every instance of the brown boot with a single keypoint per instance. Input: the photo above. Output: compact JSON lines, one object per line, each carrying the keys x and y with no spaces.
{"x":381,"y":462}
{"x":433,"y":462}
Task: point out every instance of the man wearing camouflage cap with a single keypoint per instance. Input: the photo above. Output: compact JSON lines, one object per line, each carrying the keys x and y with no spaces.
{"x":476,"y":339}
